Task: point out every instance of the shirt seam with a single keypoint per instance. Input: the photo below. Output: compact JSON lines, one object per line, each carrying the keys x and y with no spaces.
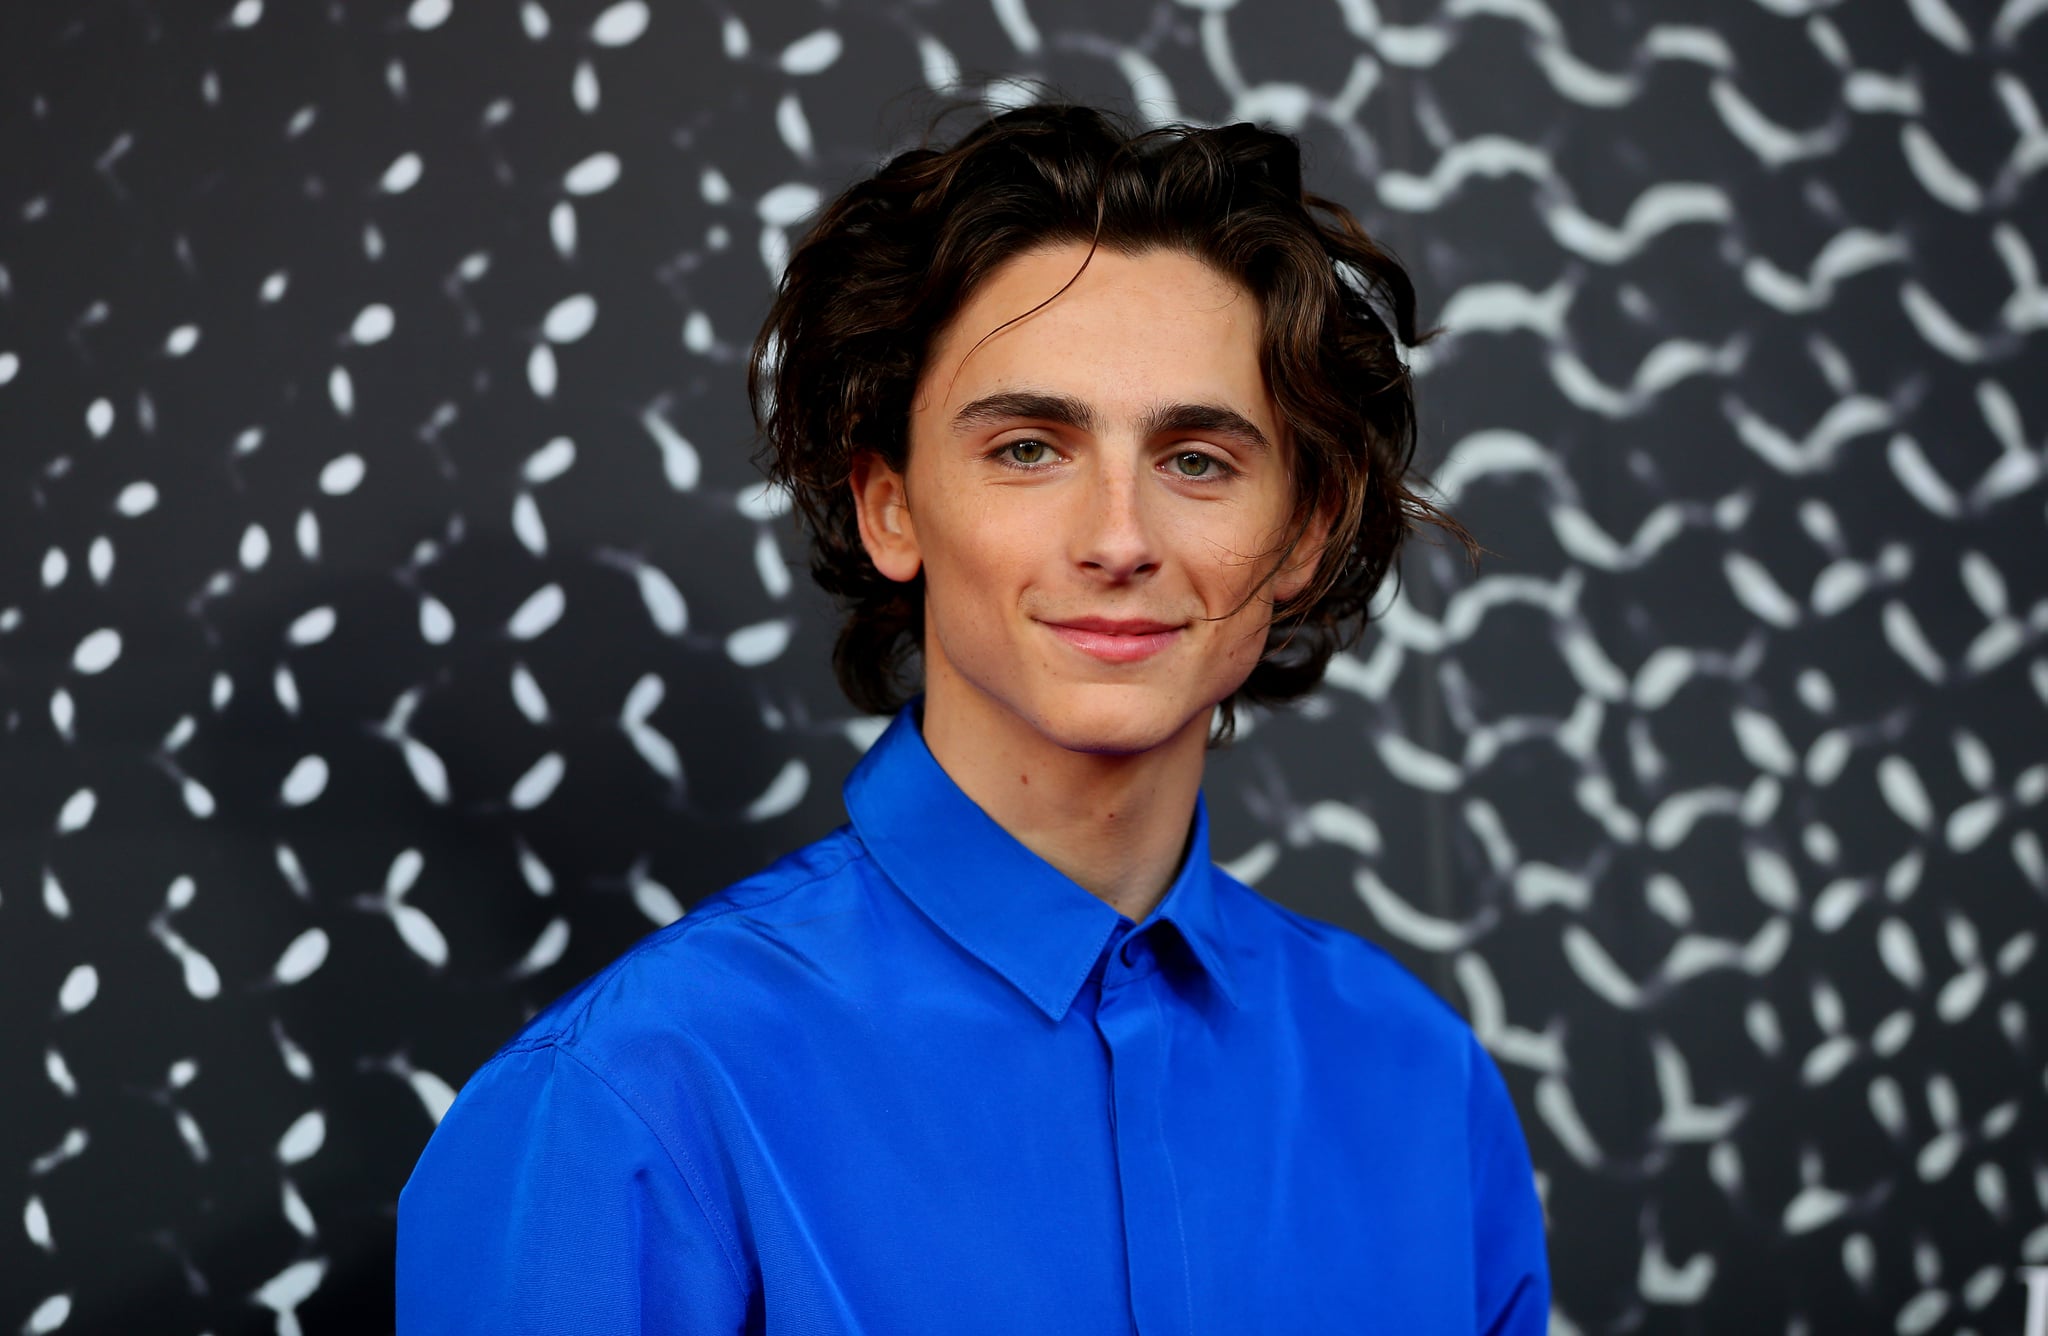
{"x":679,"y":1160}
{"x":655,"y":940}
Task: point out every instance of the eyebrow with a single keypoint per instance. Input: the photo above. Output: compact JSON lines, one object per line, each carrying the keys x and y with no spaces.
{"x":1068,"y":411}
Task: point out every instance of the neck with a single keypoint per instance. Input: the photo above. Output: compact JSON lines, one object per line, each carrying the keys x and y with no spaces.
{"x":1115,"y":824}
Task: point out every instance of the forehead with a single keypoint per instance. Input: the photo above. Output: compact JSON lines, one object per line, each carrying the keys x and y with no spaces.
{"x":1127,"y":331}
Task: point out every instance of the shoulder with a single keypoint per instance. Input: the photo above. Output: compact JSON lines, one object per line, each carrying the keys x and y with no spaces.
{"x":663,"y":990}
{"x":1338,"y":973}
{"x":621,"y":1073}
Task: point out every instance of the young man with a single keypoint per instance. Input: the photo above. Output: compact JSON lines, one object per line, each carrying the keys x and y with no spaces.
{"x":1104,"y":434}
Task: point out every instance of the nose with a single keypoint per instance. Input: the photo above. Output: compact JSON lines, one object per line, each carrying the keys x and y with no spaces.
{"x":1115,"y":535}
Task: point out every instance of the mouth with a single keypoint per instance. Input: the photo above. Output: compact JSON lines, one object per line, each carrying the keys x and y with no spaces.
{"x":1116,"y":640}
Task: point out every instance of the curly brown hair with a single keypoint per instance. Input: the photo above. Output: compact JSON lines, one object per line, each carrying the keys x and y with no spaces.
{"x":888,"y":263}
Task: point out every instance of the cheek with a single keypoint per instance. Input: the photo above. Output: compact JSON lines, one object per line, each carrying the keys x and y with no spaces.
{"x":975,"y":557}
{"x":1245,"y":640}
{"x":1227,"y":578}
{"x":1226,"y":562}
{"x":964,"y":537}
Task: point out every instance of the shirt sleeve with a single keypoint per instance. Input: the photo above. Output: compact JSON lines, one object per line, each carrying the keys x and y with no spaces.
{"x":545,"y":1203}
{"x":1513,"y":1266}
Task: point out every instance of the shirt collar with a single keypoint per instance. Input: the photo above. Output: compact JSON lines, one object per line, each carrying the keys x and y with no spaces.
{"x":1005,"y":905}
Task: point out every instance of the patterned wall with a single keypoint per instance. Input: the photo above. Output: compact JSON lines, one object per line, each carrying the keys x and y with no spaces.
{"x":391,"y":629}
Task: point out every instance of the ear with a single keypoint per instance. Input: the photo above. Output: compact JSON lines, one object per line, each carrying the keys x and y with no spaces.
{"x":1300,"y":568}
{"x":881,"y":505}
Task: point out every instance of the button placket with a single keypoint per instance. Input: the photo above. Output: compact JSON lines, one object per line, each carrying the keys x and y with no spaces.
{"x":1132,"y":1025}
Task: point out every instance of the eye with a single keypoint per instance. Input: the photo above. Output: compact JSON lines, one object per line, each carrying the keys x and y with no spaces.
{"x":1025,"y":452}
{"x":1195,"y":464}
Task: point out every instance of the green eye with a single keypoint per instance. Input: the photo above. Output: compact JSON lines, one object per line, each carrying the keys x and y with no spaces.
{"x":1193,"y":464}
{"x":1026,"y":452}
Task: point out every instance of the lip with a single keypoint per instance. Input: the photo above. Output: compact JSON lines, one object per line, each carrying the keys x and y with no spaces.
{"x":1116,"y":640}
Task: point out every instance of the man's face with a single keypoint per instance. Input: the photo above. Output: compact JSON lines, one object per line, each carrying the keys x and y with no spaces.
{"x":1091,"y":494}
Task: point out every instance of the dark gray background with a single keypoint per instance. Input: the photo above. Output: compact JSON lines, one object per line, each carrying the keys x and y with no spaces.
{"x":391,"y":630}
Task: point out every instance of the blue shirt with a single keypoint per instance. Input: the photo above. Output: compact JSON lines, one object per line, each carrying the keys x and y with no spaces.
{"x":912,"y":1079}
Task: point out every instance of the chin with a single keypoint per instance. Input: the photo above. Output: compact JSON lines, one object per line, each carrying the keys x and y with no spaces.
{"x":1115,"y":720}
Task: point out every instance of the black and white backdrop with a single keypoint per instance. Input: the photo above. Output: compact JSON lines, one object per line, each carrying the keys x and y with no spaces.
{"x":392,"y":628}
